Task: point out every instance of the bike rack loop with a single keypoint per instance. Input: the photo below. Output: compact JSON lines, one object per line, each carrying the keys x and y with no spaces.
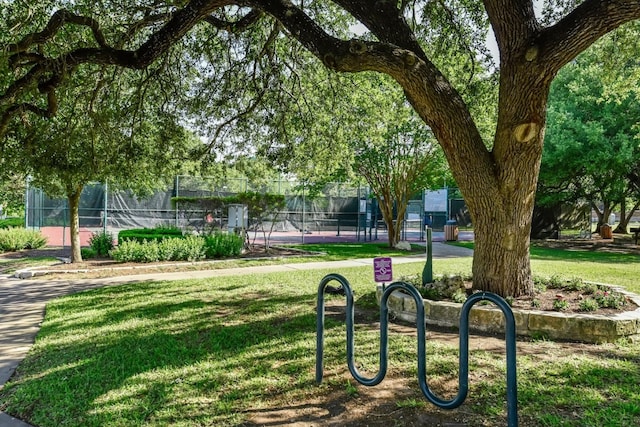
{"x":463,"y":380}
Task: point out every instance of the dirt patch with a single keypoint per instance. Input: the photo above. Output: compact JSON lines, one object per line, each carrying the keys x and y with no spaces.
{"x":574,"y":302}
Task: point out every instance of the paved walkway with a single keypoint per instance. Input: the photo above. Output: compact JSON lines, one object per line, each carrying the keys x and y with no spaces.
{"x":22,"y":302}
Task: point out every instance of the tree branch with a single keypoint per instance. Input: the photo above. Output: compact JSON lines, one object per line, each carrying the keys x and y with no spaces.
{"x":48,"y":73}
{"x":238,"y":26}
{"x":589,"y":21}
{"x":386,"y":22}
{"x":21,"y":108}
{"x":148,"y":20}
{"x":57,"y":21}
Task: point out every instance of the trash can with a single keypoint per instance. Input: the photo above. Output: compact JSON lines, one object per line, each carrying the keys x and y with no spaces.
{"x":605,"y":231}
{"x":451,"y":231}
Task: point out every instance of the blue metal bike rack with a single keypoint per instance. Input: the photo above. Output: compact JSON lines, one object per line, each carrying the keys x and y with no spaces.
{"x":463,"y":380}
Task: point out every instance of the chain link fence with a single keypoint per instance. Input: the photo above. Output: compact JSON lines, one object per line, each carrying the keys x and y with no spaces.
{"x":339,"y":209}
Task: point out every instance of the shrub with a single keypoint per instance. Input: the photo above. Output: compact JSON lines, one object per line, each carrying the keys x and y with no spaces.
{"x":191,"y":248}
{"x":451,"y":287}
{"x":432,"y":293}
{"x":221,"y":245}
{"x":149,"y":234}
{"x":574,"y":285}
{"x":460,"y":296}
{"x":589,"y":304}
{"x":101,"y":243}
{"x":88,"y":253}
{"x":610,"y":299}
{"x":554,"y":282}
{"x":12,"y":223}
{"x":15,"y":239}
{"x":134,"y":251}
{"x":539,"y":284}
{"x":589,"y":288}
{"x":560,"y":304}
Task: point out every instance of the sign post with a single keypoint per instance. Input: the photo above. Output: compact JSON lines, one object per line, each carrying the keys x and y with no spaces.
{"x":427,"y":271}
{"x":382,"y":270}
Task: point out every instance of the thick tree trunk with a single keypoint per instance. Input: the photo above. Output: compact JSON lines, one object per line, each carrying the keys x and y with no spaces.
{"x":622,"y":225}
{"x":625,"y":217}
{"x":500,"y":193}
{"x":74,"y":218}
{"x":501,"y":256}
{"x":603,"y":215}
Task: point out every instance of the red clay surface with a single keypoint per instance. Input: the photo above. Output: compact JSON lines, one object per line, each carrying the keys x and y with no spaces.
{"x":61,"y":236}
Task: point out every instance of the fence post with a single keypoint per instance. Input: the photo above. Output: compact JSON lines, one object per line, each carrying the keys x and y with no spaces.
{"x":104,"y":208}
{"x":177,"y":184}
{"x":303,"y":211}
{"x":26,"y":203}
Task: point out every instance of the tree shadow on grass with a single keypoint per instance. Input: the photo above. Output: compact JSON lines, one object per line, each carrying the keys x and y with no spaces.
{"x":117,"y":355}
{"x":160,"y":354}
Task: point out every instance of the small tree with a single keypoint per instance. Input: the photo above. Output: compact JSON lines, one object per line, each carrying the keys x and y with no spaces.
{"x":12,"y":190}
{"x":97,"y":136}
{"x":264,"y":210}
{"x":398,"y":168}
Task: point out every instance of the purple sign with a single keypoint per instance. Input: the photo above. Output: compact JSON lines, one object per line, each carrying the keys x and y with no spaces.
{"x":382,"y":270}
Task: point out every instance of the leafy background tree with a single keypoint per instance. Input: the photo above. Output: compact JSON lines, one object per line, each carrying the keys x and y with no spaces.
{"x":592,"y":149}
{"x":100,"y":133}
{"x":12,"y":190}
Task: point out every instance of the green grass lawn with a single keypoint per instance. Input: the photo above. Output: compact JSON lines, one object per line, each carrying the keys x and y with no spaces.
{"x":340,"y":251}
{"x":219,"y":351}
{"x":11,"y":265}
{"x":614,"y":268}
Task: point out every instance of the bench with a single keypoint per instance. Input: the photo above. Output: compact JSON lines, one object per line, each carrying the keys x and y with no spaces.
{"x":636,"y":233}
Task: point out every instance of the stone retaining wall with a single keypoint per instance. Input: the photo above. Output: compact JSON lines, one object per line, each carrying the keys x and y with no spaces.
{"x":488,"y":318}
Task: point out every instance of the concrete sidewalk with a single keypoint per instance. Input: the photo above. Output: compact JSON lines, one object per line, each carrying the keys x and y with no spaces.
{"x":22,"y":302}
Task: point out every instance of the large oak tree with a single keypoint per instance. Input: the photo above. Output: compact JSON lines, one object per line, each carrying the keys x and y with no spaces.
{"x":497,"y":177}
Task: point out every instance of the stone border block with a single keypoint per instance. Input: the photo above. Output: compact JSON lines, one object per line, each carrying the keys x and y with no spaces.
{"x":588,"y":328}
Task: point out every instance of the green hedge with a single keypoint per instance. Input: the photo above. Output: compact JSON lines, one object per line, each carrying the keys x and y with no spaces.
{"x":12,"y":223}
{"x":189,"y":248}
{"x":149,"y":234}
{"x":257,"y":203}
{"x":101,"y":243}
